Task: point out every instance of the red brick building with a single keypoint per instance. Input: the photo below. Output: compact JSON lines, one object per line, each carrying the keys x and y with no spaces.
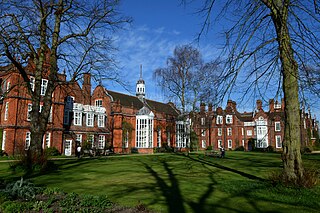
{"x":105,"y":119}
{"x":231,"y":129}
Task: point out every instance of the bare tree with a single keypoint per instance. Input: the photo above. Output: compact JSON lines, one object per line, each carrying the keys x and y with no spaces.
{"x":52,"y":36}
{"x":276,"y":40}
{"x":186,"y":77}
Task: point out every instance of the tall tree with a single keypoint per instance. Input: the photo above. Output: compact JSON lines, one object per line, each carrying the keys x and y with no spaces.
{"x":186,"y":78}
{"x":272,"y":38}
{"x":56,"y":35}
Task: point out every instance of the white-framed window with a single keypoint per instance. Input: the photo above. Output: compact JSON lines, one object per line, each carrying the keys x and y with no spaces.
{"x":125,"y":140}
{"x":243,"y":143}
{"x":219,"y":144}
{"x":89,"y":119}
{"x":219,"y":119}
{"x":28,"y":140}
{"x":44,"y":84}
{"x":159,"y":138}
{"x":277,"y":105}
{"x":3,"y":140}
{"x":168,"y":138}
{"x":29,"y":112}
{"x":203,"y":121}
{"x":79,"y":138}
{"x":249,"y":132}
{"x":228,"y":119}
{"x":219,"y":131}
{"x":46,"y":140}
{"x":101,"y":142}
{"x":98,"y":103}
{"x":6,"y":111}
{"x":203,"y":144}
{"x":32,"y":82}
{"x":229,"y":131}
{"x":278,"y":141}
{"x":203,"y":132}
{"x":144,"y":130}
{"x":101,"y":122}
{"x":230,"y":144}
{"x":277,"y":126}
{"x":242,"y":131}
{"x":182,"y":134}
{"x":77,"y":119}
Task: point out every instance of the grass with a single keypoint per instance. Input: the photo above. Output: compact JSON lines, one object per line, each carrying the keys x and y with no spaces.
{"x":178,"y":183}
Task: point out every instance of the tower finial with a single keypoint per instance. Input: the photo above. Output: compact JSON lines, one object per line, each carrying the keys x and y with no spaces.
{"x":140,"y":71}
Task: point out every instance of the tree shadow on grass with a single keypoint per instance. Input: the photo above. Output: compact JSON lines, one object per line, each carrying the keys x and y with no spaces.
{"x":170,"y":191}
{"x":210,"y":163}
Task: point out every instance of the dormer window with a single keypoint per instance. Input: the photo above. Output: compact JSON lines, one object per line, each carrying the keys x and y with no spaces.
{"x":219,"y":119}
{"x":229,"y":119}
{"x":98,"y":103}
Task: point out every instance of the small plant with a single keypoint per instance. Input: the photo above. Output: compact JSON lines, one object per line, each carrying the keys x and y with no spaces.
{"x":306,"y":150}
{"x":240,"y":148}
{"x":209,"y":148}
{"x":310,"y":179}
{"x":52,"y":151}
{"x":15,"y":207}
{"x":22,"y":189}
{"x":270,"y":149}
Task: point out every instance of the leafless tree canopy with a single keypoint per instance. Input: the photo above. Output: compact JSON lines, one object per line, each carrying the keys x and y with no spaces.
{"x":251,"y":51}
{"x":187,"y":79}
{"x":80,"y":30}
{"x":56,"y":36}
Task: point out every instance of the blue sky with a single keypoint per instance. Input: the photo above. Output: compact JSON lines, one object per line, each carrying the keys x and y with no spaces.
{"x":158,"y":27}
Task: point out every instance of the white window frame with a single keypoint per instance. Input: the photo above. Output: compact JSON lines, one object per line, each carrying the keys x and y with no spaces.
{"x":219,"y":119}
{"x":230,"y":143}
{"x":159,"y":138}
{"x":79,"y":138}
{"x":89,"y":119}
{"x":125,"y":140}
{"x":229,"y":119}
{"x":229,"y":131}
{"x":278,"y":141}
{"x":32,"y":83}
{"x":28,"y":140}
{"x":144,"y":131}
{"x":219,"y":131}
{"x":29,"y":112}
{"x":3,"y":140}
{"x":249,"y":132}
{"x":243,"y":143}
{"x":6,"y":111}
{"x":8,"y":86}
{"x":182,"y":134}
{"x":219,"y":144}
{"x":203,"y":121}
{"x":77,"y":118}
{"x":277,"y":126}
{"x":203,"y":132}
{"x":98,"y":102}
{"x":101,"y":141}
{"x":44,"y":85}
{"x":204,"y":144}
{"x":90,"y":139}
{"x":46,"y":140}
{"x":101,"y":120}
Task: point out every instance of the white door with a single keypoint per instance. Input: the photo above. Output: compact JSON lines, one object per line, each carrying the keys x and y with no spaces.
{"x":68,"y":147}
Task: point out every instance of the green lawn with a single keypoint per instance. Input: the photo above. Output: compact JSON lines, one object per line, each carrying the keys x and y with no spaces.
{"x":177,"y":183}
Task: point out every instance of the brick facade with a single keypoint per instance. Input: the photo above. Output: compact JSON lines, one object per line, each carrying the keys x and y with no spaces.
{"x":231,"y":129}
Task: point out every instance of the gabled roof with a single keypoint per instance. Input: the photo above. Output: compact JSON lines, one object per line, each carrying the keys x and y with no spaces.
{"x":136,"y":103}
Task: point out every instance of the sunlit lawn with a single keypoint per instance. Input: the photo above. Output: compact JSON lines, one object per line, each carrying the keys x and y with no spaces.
{"x":177,"y":183}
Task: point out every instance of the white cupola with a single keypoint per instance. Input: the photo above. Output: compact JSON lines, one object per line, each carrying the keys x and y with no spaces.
{"x":140,"y":88}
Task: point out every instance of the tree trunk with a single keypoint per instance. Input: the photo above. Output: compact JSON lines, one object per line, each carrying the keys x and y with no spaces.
{"x":292,"y":162}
